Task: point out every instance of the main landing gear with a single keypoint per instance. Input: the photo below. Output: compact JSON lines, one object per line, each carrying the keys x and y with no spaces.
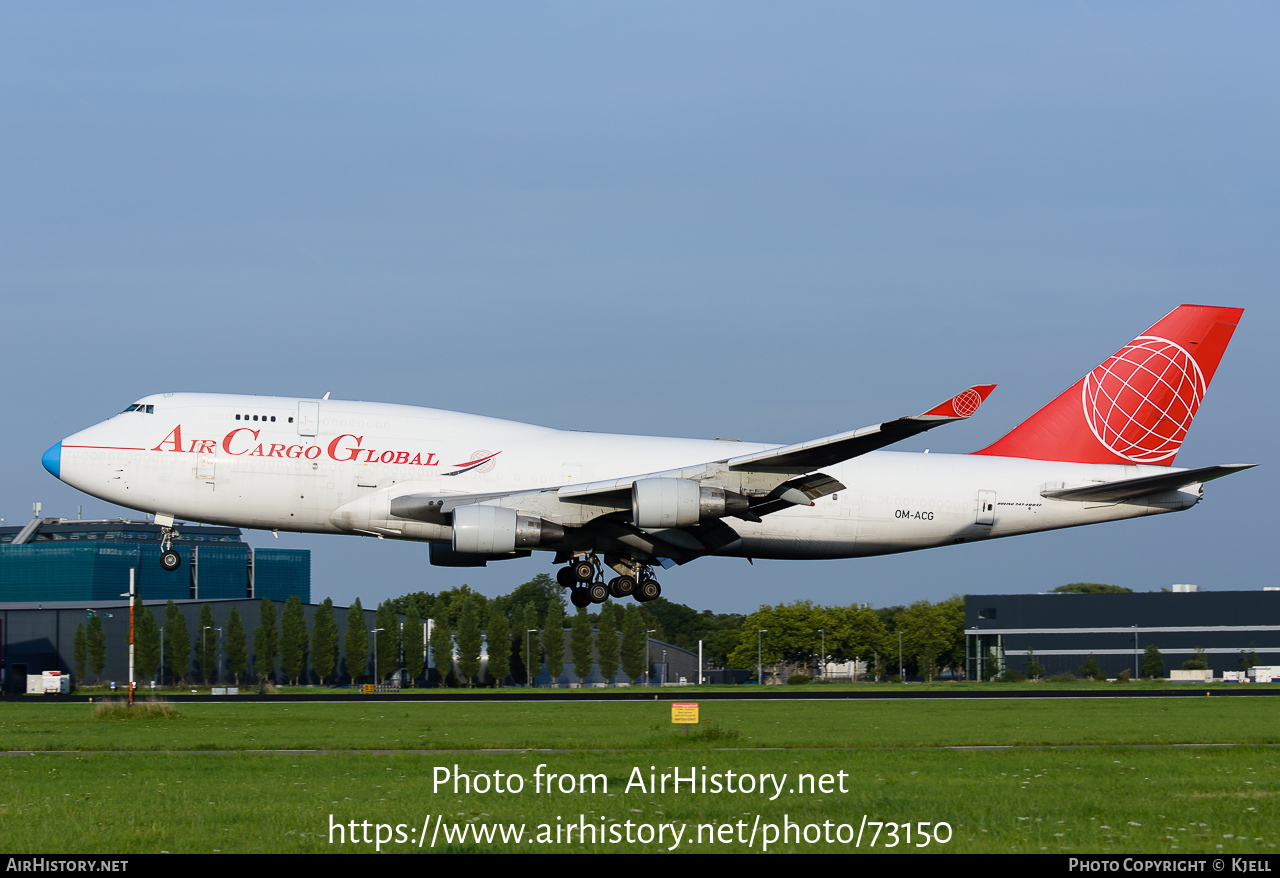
{"x":585,"y":580}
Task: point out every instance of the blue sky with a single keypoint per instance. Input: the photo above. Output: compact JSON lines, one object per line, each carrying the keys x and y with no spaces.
{"x":764,"y":221}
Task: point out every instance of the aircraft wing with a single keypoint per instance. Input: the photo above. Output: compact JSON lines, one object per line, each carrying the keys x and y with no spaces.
{"x":1131,"y":489}
{"x":804,"y":457}
{"x":817,"y":453}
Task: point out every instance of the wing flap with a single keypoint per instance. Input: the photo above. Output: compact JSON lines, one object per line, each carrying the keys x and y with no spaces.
{"x":1130,"y":489}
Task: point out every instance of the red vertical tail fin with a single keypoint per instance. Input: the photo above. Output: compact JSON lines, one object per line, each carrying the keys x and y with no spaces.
{"x":1137,"y":406}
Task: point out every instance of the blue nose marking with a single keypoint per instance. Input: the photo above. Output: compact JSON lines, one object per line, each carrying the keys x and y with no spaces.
{"x":52,"y":459}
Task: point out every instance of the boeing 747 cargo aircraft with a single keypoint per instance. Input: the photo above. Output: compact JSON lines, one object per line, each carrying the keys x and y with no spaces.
{"x":480,"y":489}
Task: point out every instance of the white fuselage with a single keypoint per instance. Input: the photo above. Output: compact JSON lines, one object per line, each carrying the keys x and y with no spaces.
{"x":332,"y":466}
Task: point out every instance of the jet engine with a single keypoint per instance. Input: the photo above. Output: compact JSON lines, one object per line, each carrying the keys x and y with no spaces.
{"x":495,"y":530}
{"x":680,"y":503}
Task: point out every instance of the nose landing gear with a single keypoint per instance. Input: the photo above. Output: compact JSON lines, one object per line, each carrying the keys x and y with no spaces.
{"x":169,"y":559}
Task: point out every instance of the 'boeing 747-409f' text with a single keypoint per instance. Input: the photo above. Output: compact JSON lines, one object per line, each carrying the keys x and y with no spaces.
{"x":481,"y":489}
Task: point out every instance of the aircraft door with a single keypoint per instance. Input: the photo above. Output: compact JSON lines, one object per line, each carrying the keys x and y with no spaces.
{"x":205,"y":466}
{"x":308,"y":418}
{"x":986,"y":508}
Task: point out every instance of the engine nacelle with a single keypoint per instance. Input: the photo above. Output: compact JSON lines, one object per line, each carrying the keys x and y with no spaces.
{"x":444,"y":556}
{"x":680,"y":502}
{"x":495,"y":530}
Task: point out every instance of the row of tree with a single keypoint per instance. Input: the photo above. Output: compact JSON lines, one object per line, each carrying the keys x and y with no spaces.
{"x":918,"y":639}
{"x":167,"y":651}
{"x":931,"y":636}
{"x":523,"y":630}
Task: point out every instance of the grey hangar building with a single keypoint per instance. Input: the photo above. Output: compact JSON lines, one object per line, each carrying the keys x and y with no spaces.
{"x":1062,"y":630}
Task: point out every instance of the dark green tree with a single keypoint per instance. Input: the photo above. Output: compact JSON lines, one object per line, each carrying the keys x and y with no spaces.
{"x":1248,"y":658}
{"x":1198,"y":661}
{"x":324,"y":642}
{"x":414,"y":643}
{"x":537,"y":594}
{"x":469,"y":642}
{"x":580,"y":646}
{"x":1152,"y":662}
{"x":422,"y":601}
{"x":355,"y":643}
{"x":498,"y":637}
{"x":553,"y":640}
{"x":387,"y":640}
{"x":442,"y":650}
{"x":293,"y":639}
{"x":79,"y":653}
{"x":1090,"y":670}
{"x":634,"y":640}
{"x":146,"y":642}
{"x":607,"y":641}
{"x":206,"y":643}
{"x":236,"y":645}
{"x":1035,"y":670}
{"x":266,"y":641}
{"x":97,"y":645}
{"x":177,"y":643}
{"x":1092,"y":588}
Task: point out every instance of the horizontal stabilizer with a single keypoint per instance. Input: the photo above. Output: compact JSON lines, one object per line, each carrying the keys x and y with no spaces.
{"x":1130,"y":489}
{"x":817,"y":453}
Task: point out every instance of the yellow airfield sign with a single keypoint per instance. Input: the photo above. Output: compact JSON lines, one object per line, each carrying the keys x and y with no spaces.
{"x":684,"y":712}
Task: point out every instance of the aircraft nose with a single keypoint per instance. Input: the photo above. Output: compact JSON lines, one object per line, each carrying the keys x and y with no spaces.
{"x":52,"y":460}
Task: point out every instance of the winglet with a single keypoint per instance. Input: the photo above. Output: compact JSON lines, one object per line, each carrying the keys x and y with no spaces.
{"x":963,"y":404}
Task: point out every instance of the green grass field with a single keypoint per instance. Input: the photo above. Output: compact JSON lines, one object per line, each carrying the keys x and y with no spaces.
{"x":1080,"y":776}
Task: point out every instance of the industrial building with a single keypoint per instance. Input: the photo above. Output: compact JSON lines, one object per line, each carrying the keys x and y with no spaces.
{"x":1062,"y":630}
{"x":56,"y":559}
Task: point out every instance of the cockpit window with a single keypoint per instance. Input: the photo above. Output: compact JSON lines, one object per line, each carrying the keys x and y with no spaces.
{"x":139,"y":407}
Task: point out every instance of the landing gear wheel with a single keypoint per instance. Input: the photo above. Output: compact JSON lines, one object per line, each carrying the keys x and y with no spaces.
{"x":565,"y":577}
{"x":648,"y":590}
{"x":583,"y":571}
{"x":580,"y":597}
{"x":170,"y":560}
{"x":597,"y":592}
{"x":622,"y":586}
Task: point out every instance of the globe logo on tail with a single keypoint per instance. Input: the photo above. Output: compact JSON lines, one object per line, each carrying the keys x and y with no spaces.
{"x":1140,"y":403}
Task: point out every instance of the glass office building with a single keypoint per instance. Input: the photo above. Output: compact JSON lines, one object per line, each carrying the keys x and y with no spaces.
{"x":53,"y":559}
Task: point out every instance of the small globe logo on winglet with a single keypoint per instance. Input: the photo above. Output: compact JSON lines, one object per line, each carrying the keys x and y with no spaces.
{"x":1140,"y":403}
{"x":966,"y":403}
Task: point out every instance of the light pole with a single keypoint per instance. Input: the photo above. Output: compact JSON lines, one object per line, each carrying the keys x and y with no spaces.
{"x":130,"y":597}
{"x":901,"y":675}
{"x":648,"y":681}
{"x":218,"y":632}
{"x":375,"y":632}
{"x":528,"y":658}
{"x":759,"y":661}
{"x":823,"y":635}
{"x":204,"y":652}
{"x":426,"y":650}
{"x":161,"y":655}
